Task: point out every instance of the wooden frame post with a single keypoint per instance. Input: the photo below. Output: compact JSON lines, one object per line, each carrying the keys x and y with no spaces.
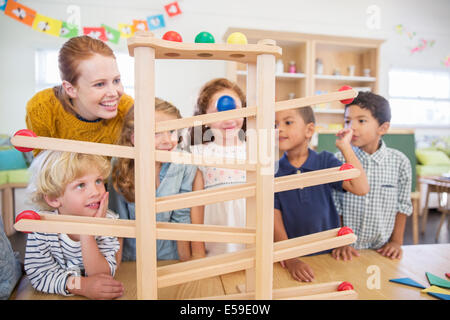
{"x":252,"y":152}
{"x":265,"y":119}
{"x":145,"y":193}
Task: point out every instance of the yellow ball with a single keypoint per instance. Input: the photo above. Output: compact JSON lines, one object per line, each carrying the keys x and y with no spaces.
{"x":237,"y":38}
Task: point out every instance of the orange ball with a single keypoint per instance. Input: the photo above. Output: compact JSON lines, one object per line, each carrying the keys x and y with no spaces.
{"x":172,"y":36}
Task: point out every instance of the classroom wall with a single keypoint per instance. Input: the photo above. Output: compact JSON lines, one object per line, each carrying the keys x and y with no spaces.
{"x":179,"y":81}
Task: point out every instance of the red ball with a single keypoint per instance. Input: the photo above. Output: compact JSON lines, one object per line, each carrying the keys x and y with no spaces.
{"x":344,"y":230}
{"x":345,"y":286}
{"x":172,"y":36}
{"x":346,"y":101}
{"x":26,"y":133}
{"x":28,"y":214}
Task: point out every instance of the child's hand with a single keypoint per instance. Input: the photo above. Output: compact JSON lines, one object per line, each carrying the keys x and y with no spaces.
{"x":100,"y":286}
{"x":299,"y":270}
{"x":391,"y":250}
{"x":101,"y":212}
{"x":346,"y":252}
{"x":344,"y":137}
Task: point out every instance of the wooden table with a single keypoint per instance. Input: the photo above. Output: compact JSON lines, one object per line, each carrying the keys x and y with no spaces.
{"x":434,"y":184}
{"x":417,"y":259}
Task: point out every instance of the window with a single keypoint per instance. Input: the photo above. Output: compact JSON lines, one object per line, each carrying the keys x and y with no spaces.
{"x":47,"y":72}
{"x":419,"y":98}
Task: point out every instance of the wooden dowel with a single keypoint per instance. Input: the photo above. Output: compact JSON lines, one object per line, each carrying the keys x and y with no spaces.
{"x":337,"y":295}
{"x":244,"y":259}
{"x":316,"y":99}
{"x":203,"y":51}
{"x":204,"y":119}
{"x":250,"y":111}
{"x":207,"y":233}
{"x":203,"y":197}
{"x":284,"y":293}
{"x":115,"y":229}
{"x":200,"y":160}
{"x":109,"y":150}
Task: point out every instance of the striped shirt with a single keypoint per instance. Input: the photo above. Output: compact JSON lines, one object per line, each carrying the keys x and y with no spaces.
{"x":372,"y":217}
{"x":50,"y":258}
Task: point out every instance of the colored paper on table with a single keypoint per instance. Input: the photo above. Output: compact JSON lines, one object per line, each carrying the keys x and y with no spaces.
{"x":68,"y":30}
{"x":439,"y":295}
{"x":408,"y":282}
{"x":112,"y":34}
{"x":172,"y":9}
{"x":96,"y":33}
{"x":3,"y":4}
{"x":47,"y":25}
{"x":20,"y":12}
{"x":436,"y":281}
{"x":126,"y":30}
{"x":156,"y":22}
{"x":140,"y":25}
{"x":436,"y":289}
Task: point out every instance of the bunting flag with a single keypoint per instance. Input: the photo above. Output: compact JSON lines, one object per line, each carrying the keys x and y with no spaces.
{"x":126,"y":30}
{"x":140,"y":25}
{"x":172,"y":9}
{"x":96,"y":33}
{"x":156,"y":22}
{"x":47,"y":25}
{"x":112,"y":34}
{"x":68,"y":30}
{"x":3,"y":5}
{"x":20,"y":12}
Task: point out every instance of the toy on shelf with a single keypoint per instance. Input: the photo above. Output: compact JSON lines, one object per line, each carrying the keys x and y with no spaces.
{"x":204,"y":37}
{"x":172,"y":36}
{"x":258,"y":258}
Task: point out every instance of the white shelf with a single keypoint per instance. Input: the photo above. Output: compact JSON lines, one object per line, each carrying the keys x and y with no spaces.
{"x":328,"y":110}
{"x":284,"y":75}
{"x":344,"y":78}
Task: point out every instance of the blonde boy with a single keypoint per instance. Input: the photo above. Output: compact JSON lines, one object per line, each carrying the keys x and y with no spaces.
{"x":72,"y":184}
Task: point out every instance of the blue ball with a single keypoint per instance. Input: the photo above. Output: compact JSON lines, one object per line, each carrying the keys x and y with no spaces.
{"x":225,"y":103}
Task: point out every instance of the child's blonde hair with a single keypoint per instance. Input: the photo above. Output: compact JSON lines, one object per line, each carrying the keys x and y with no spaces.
{"x":123,"y":171}
{"x":52,"y":171}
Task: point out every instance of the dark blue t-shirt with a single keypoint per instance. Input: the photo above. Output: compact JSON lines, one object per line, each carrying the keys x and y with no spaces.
{"x":311,"y":209}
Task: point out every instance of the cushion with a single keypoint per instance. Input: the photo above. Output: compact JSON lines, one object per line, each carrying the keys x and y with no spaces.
{"x":11,"y":159}
{"x":3,"y":177}
{"x":18,"y":176}
{"x":432,"y":170}
{"x":432,"y":157}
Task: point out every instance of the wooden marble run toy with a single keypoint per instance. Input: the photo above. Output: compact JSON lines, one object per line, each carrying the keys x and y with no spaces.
{"x":261,"y":252}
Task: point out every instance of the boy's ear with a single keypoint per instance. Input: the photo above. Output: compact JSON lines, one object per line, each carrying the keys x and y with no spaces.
{"x":384,"y":128}
{"x":52,"y":201}
{"x":310,"y":129}
{"x":69,"y":89}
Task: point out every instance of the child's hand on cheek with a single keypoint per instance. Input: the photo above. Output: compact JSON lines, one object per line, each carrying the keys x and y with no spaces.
{"x":344,"y":137}
{"x":101,"y":212}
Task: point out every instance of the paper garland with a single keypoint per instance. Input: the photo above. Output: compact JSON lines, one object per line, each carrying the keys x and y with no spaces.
{"x":420,"y":46}
{"x":58,"y":28}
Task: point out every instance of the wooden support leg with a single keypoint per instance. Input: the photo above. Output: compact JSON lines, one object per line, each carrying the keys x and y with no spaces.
{"x":8,"y":210}
{"x":265,"y":119}
{"x":251,"y":176}
{"x":145,"y":173}
{"x":425,"y":209}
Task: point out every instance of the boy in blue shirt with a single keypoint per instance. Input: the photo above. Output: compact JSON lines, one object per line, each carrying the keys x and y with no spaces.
{"x":378,"y":219}
{"x":300,"y":212}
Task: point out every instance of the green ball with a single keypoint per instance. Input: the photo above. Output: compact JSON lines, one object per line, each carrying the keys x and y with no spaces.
{"x":204,"y":37}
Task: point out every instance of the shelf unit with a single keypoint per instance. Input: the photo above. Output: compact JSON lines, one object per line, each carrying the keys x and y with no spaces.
{"x":336,"y":53}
